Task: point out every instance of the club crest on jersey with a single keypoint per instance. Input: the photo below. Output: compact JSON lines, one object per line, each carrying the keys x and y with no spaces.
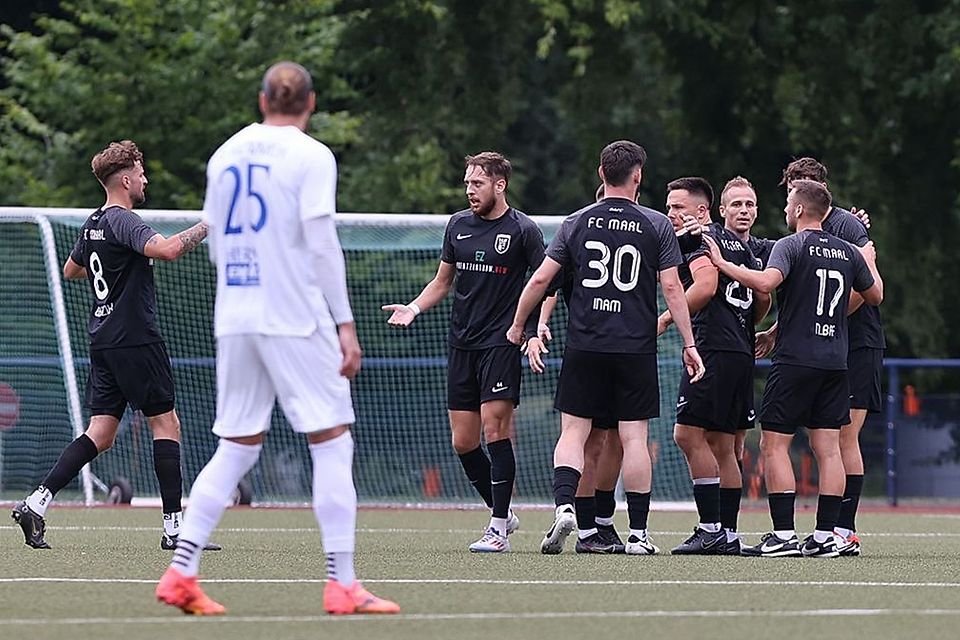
{"x":502,"y":243}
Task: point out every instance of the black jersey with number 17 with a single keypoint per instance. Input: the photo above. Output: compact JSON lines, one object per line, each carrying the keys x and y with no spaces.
{"x":819,"y":270}
{"x":110,"y":248}
{"x":615,"y":249}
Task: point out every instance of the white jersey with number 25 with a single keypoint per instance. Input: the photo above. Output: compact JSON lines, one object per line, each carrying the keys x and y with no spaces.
{"x":262,"y":185}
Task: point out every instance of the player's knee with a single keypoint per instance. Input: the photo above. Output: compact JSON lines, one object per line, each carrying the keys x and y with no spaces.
{"x":464,"y":444}
{"x":103,"y":441}
{"x":688,"y":439}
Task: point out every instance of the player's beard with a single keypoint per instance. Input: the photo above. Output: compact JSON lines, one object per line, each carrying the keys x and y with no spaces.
{"x":139,"y":199}
{"x":483,"y":207}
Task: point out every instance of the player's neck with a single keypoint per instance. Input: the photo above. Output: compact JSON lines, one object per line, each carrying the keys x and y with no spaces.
{"x":743,"y":236}
{"x":498,"y":211}
{"x":809,"y":225}
{"x":625,"y":192}
{"x":118,"y":200}
{"x":282,"y":120}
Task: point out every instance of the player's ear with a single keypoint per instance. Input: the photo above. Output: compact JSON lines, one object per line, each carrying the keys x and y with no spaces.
{"x":500,"y":186}
{"x":600,"y":173}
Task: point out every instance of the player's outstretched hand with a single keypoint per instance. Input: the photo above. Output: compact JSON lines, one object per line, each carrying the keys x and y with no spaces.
{"x":401,"y":314}
{"x":861,"y":215}
{"x":515,"y":334}
{"x":713,"y":250}
{"x":543,"y":332}
{"x":534,"y":349}
{"x":350,"y":349}
{"x":693,"y":363}
{"x":763,"y":344}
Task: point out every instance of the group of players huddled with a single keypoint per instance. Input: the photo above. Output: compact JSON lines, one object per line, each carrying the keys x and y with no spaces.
{"x":717,"y":281}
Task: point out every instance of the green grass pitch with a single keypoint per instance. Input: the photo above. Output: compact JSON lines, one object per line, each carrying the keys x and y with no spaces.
{"x":98,"y":581}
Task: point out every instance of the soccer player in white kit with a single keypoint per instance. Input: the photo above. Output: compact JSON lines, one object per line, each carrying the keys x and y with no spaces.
{"x":284,"y":331}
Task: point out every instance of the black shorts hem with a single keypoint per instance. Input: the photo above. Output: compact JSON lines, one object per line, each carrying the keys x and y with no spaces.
{"x":687,"y":420}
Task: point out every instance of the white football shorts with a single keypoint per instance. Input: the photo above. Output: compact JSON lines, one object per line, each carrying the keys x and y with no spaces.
{"x":254,"y":371}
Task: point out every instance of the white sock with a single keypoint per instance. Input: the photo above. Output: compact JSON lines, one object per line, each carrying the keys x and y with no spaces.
{"x":845,"y":533}
{"x":604,"y":522}
{"x":639,"y":533}
{"x":209,"y":498}
{"x":731,"y":535}
{"x":340,"y":567}
{"x":583,"y":534}
{"x":710,"y":527}
{"x":822,"y":536}
{"x":171,"y":523}
{"x":39,"y":500}
{"x":499,"y":525}
{"x":334,"y":496}
{"x":785,"y":534}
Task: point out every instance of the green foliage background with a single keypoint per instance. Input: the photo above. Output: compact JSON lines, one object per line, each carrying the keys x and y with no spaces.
{"x":407,"y":87}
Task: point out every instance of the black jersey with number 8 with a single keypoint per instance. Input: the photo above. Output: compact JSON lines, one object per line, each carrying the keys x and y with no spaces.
{"x":615,"y":249}
{"x":110,"y":248}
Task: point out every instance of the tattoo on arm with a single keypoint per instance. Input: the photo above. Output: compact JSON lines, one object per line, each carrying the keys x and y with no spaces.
{"x":192,"y":237}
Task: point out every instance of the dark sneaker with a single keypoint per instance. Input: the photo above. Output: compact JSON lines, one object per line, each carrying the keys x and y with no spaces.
{"x":848,"y":546}
{"x":169,"y":543}
{"x":609,"y":535}
{"x":701,"y":543}
{"x":773,"y":547}
{"x":729,"y":547}
{"x":32,"y":525}
{"x":813,"y":549}
{"x":597,"y":544}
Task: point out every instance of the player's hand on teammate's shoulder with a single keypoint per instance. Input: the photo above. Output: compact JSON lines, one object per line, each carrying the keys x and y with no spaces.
{"x":713,"y":250}
{"x":861,"y":215}
{"x":350,"y":349}
{"x":691,"y":226}
{"x":694,"y":363}
{"x":401,"y":314}
{"x":534,"y":348}
{"x":515,"y":334}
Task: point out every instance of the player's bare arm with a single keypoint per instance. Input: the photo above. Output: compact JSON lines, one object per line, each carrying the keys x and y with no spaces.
{"x":761,"y":306}
{"x":764,"y":281}
{"x":704,"y":286}
{"x":874,"y":295}
{"x":401,"y":315}
{"x":677,"y":304}
{"x":532,"y":296}
{"x":349,"y":349}
{"x":176,"y":245}
{"x":73,"y":271}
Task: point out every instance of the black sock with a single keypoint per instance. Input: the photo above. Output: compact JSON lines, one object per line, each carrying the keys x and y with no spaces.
{"x":707,"y":497}
{"x":476,"y":465}
{"x":851,"y":502}
{"x":828,"y":510}
{"x":565,"y":481}
{"x":586,"y":512}
{"x":166,"y":464}
{"x":782,"y":506}
{"x":503,"y":470}
{"x":71,"y":460}
{"x":730,"y":507}
{"x":638,"y":508}
{"x":606,"y":503}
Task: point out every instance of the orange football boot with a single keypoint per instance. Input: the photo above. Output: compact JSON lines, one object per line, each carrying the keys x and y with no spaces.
{"x":341,"y":600}
{"x":180,"y":591}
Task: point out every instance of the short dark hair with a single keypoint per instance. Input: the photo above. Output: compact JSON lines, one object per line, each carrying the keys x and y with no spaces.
{"x":492,"y":163}
{"x":287,"y":86}
{"x":804,"y":169}
{"x":695,"y":185}
{"x":813,"y":195}
{"x":618,"y":160}
{"x":117,"y":156}
{"x":738,"y":181}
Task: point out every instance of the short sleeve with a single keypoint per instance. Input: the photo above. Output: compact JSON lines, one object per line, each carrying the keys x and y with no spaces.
{"x":446,"y":249}
{"x":318,"y":187}
{"x":689,"y":242}
{"x":130,"y":231}
{"x":559,"y":249}
{"x":862,"y":278}
{"x":783,"y":255}
{"x":533,"y":244}
{"x":78,"y":249}
{"x":670,"y":255}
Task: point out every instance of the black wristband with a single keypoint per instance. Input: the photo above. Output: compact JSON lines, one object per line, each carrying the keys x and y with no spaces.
{"x":690,"y":346}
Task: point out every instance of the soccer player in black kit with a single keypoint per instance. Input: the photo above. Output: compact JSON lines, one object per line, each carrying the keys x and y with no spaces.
{"x":128,"y":359}
{"x":616,"y":250}
{"x":710,"y":413}
{"x":813,"y":273}
{"x":487,"y":251}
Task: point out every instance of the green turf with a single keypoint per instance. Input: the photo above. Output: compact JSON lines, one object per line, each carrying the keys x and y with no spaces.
{"x":904,"y":585}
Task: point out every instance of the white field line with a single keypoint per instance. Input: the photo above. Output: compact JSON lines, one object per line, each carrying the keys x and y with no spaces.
{"x":485,"y":616}
{"x":548,"y":583}
{"x":525,"y":531}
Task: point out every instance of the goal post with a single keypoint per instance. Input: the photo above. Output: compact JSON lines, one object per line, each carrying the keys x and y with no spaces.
{"x":403,"y":451}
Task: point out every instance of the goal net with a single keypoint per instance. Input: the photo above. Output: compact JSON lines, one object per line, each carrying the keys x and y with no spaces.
{"x":402,"y":433}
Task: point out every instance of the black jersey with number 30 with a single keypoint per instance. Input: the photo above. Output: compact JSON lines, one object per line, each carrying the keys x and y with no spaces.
{"x":819,"y":270}
{"x":615,"y":249}
{"x":110,"y":248}
{"x":726,"y":322}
